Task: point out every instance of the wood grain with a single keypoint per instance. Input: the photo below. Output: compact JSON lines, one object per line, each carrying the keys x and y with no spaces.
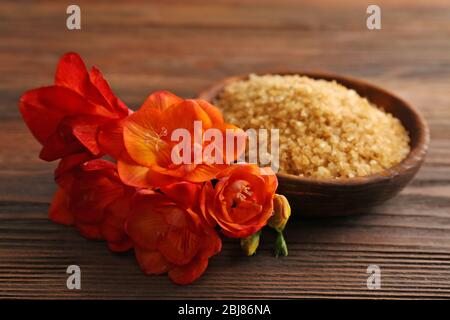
{"x":183,"y":47}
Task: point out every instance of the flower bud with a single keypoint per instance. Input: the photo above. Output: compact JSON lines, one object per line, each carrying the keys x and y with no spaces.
{"x":251,"y":243}
{"x":281,"y":213}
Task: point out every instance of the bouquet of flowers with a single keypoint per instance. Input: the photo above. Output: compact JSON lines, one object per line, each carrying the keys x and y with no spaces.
{"x":120,"y":178}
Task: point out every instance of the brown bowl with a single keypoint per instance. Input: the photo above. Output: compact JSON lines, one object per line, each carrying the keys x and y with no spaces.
{"x":325,"y":197}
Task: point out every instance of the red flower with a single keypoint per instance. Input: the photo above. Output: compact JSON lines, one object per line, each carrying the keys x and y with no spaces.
{"x":169,"y":235}
{"x":241,"y":202}
{"x":92,"y":197}
{"x":66,"y":117}
{"x":148,"y":141}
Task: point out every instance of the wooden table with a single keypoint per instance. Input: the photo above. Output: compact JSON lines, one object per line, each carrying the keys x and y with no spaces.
{"x":183,"y":46}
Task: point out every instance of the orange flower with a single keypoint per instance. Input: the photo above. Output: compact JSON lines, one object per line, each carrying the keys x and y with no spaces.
{"x":92,"y":197}
{"x":149,"y":145}
{"x":66,"y":117}
{"x":241,"y":202}
{"x":169,"y":235}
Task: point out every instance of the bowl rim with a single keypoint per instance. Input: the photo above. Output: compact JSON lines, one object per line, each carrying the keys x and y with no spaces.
{"x":413,"y":160}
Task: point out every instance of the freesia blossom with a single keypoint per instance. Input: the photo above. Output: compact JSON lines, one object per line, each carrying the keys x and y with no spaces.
{"x":241,"y":201}
{"x":169,"y":235}
{"x":148,"y":137}
{"x":177,"y":174}
{"x":93,"y":199}
{"x":67,"y":116}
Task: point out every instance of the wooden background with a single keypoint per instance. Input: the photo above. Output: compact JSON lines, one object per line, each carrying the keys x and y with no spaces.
{"x":183,"y":46}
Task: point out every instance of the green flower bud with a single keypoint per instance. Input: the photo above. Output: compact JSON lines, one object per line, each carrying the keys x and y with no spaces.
{"x":251,"y":243}
{"x":281,"y":212}
{"x":280,"y":246}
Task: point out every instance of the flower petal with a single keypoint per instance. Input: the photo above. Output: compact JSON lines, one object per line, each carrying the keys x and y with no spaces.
{"x":44,"y":108}
{"x":114,"y":104}
{"x":120,"y":246}
{"x":68,"y":163}
{"x":245,"y":212}
{"x":113,"y":224}
{"x":180,"y":245}
{"x":213,"y":112}
{"x":91,"y":193}
{"x":85,"y":130}
{"x":152,"y":262}
{"x":211,"y":244}
{"x":239,"y":138}
{"x":146,"y":226}
{"x":184,"y":114}
{"x":101,"y":164}
{"x":64,"y":174}
{"x":131,"y":173}
{"x":158,"y":180}
{"x":59,"y":209}
{"x":89,"y":231}
{"x":203,"y":172}
{"x":183,"y":193}
{"x":206,"y":204}
{"x":161,"y":100}
{"x":270,"y":179}
{"x":110,"y":138}
{"x":71,"y":73}
{"x":143,"y":132}
{"x":235,"y":230}
{"x":55,"y":148}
